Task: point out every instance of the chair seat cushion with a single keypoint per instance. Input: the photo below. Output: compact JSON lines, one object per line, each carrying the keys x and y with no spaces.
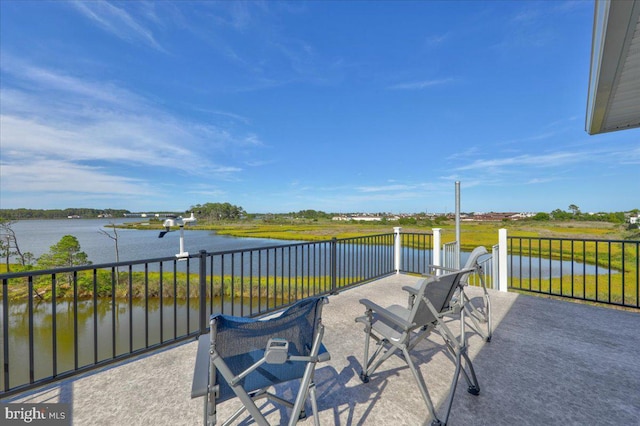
{"x":264,"y":376}
{"x":387,"y":328}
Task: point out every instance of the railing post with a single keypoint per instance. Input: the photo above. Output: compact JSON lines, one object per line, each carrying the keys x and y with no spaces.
{"x":495,"y":266}
{"x":397,"y":245}
{"x":436,"y":247}
{"x":203,"y":291}
{"x":456,"y":248}
{"x":502,"y":261}
{"x":334,"y":265}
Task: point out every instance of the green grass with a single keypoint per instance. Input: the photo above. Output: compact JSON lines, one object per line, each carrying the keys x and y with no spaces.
{"x":473,"y":234}
{"x":180,"y":285}
{"x":595,"y":288}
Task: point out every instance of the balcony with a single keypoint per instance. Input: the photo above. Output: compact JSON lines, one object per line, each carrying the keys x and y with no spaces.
{"x":549,"y":362}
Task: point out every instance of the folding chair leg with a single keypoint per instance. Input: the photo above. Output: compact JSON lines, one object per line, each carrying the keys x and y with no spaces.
{"x":470,"y":376}
{"x":367,"y":337}
{"x":234,"y":417}
{"x":487,"y":305}
{"x":210,"y":409}
{"x":314,"y":405}
{"x":370,"y":366}
{"x":209,"y":419}
{"x":422,"y":386}
{"x":364,"y":374}
{"x":305,"y":383}
{"x":452,"y":393}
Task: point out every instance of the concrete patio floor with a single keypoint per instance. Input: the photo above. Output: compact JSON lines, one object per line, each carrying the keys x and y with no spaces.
{"x":550,"y":362}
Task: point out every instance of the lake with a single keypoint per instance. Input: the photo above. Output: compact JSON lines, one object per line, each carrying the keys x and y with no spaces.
{"x":37,"y":236}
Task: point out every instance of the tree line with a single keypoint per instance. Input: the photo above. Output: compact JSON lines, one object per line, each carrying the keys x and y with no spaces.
{"x":575,"y":213}
{"x":67,"y":251}
{"x":215,"y":212}
{"x":23,"y":214}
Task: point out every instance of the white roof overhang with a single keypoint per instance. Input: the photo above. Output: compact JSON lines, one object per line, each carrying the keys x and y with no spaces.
{"x":614,"y":83}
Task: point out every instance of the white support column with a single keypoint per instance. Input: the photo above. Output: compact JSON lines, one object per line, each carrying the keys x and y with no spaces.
{"x":183,"y":254}
{"x":502,"y":262}
{"x":458,"y":241}
{"x":436,"y":247}
{"x":495,"y":266}
{"x":397,"y":249}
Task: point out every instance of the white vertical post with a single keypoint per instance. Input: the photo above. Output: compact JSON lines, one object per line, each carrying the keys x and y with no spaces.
{"x":436,"y":248}
{"x":457,"y":247}
{"x":397,"y":246}
{"x":495,"y":266}
{"x":502,"y":262}
{"x":182,"y":252}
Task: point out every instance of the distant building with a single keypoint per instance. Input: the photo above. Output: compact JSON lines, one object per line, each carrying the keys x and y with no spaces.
{"x":362,"y":218}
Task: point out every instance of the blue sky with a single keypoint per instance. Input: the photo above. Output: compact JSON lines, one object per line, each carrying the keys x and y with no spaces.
{"x":278,"y":107}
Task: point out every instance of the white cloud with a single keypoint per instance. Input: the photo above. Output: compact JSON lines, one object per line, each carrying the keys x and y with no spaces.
{"x":384,"y":188}
{"x":419,"y":85}
{"x":535,"y":181}
{"x":118,"y":22}
{"x":55,"y":176}
{"x":546,"y":160}
{"x":93,"y":131}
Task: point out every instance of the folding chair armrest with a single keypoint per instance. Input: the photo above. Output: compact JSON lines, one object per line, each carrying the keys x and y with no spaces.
{"x":411,"y":290}
{"x":201,"y":370}
{"x":386,"y":314}
{"x":441,"y":268}
{"x":324,"y":357}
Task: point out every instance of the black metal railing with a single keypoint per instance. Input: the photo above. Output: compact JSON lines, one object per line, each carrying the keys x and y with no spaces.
{"x":416,"y":252}
{"x":604,"y":271}
{"x":61,"y":322}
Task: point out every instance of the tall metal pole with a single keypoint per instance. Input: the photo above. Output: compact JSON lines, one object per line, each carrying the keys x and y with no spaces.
{"x":458,"y":223}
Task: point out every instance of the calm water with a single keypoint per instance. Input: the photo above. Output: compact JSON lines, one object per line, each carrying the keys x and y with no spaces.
{"x":37,"y":236}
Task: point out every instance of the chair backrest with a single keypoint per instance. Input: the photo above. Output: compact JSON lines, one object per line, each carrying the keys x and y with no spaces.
{"x":240,"y":342}
{"x":438,"y":291}
{"x":472,"y":262}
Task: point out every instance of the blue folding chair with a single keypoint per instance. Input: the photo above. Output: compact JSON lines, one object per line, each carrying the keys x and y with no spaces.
{"x":243,"y":357}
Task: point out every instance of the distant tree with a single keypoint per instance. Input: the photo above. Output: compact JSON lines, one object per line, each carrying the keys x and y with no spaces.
{"x":113,"y":236}
{"x":4,"y":253}
{"x":440,"y":219}
{"x":65,"y":253}
{"x":9,"y":246}
{"x":558,"y":214}
{"x":574,"y":209}
{"x":542,"y":216}
{"x":218,"y":211}
{"x":312,"y":214}
{"x":407,"y":221}
{"x":615,"y":217}
{"x":17,"y":214}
